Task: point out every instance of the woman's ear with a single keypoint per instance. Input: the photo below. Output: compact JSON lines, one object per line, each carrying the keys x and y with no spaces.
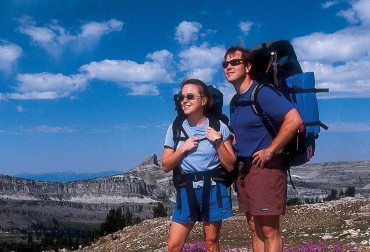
{"x":204,"y":101}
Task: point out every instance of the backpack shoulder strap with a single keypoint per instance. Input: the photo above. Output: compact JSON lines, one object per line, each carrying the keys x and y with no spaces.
{"x":214,"y":123}
{"x":234,"y":103}
{"x":258,"y":110}
{"x":177,"y":128}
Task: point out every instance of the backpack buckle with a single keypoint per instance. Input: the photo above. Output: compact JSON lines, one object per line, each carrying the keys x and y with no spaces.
{"x":198,"y":177}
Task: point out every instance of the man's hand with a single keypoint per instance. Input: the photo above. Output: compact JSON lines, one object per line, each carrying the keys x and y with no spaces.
{"x":260,"y":158}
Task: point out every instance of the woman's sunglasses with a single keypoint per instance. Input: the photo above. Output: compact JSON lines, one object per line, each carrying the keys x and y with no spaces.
{"x":188,"y":96}
{"x":233,"y":62}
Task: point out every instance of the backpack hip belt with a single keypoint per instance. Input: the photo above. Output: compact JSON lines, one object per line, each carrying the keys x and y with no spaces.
{"x":186,"y":180}
{"x":277,"y":161}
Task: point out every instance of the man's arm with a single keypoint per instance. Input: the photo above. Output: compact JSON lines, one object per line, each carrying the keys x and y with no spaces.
{"x":291,"y":123}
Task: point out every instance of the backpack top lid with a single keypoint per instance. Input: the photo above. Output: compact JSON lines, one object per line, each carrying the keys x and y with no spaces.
{"x":279,"y":52}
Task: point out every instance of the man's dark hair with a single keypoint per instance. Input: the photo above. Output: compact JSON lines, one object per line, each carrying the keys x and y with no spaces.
{"x":247,"y":56}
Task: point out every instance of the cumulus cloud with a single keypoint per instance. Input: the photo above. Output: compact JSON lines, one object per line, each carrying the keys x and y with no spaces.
{"x":133,"y":75}
{"x":52,"y":36}
{"x":9,"y":54}
{"x":47,"y":86}
{"x":340,"y":60}
{"x":187,"y":32}
{"x":163,"y":57}
{"x":201,"y":61}
{"x":245,"y":27}
{"x":96,"y":29}
{"x":359,"y":12}
{"x":126,"y":71}
{"x":142,"y":89}
{"x":141,"y":79}
{"x":341,"y":46}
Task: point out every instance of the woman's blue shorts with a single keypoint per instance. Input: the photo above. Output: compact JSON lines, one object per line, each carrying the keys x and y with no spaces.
{"x":215,"y":212}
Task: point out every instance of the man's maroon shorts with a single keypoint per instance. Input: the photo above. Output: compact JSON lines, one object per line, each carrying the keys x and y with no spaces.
{"x":262,"y":191}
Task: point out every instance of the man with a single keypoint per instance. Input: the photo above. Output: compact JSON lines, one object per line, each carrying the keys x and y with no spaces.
{"x":262,"y":180}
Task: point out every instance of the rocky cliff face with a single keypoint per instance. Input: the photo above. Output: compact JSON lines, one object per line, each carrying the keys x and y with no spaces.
{"x":23,"y":201}
{"x":144,"y":184}
{"x":316,"y":180}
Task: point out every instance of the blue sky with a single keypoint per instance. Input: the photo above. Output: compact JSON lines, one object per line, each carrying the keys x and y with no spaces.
{"x":88,"y":85}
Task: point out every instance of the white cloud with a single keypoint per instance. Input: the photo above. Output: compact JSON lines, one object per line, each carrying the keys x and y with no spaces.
{"x":349,"y":127}
{"x":20,"y":109}
{"x":47,"y":129}
{"x":187,"y":32}
{"x":9,"y":54}
{"x":126,"y":71}
{"x":143,"y":89}
{"x":201,"y":62}
{"x":163,"y":57}
{"x":340,"y":60}
{"x":52,"y":36}
{"x":96,"y":29}
{"x":358,"y":13}
{"x":133,"y":75}
{"x":341,"y":46}
{"x":245,"y":27}
{"x":47,"y":86}
{"x":329,"y":4}
{"x":228,"y":91}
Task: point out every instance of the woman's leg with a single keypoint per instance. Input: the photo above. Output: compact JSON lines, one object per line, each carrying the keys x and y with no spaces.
{"x":212,"y":235}
{"x":178,"y":234}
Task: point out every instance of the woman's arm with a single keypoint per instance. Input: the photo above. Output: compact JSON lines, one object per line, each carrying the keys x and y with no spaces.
{"x":171,"y":158}
{"x":224,"y":149}
{"x":226,"y":155}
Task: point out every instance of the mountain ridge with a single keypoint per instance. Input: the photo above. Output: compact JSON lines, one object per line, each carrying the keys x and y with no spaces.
{"x":141,"y":188}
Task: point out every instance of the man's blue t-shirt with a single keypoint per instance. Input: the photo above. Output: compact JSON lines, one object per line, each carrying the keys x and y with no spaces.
{"x":251,"y":134}
{"x":204,"y":157}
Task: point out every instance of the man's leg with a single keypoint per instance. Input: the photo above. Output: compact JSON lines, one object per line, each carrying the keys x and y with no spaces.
{"x":256,"y":232}
{"x":270,"y":228}
{"x":178,"y":234}
{"x":212,"y":235}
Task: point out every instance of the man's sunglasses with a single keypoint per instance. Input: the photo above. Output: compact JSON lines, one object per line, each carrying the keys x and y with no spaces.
{"x":188,"y":96}
{"x":233,"y":62}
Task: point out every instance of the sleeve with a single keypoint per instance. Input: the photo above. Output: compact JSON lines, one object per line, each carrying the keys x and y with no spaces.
{"x":276,"y":107}
{"x":224,"y":131}
{"x":168,"y":142}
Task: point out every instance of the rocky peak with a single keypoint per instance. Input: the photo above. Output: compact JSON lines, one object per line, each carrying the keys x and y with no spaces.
{"x":151,"y":160}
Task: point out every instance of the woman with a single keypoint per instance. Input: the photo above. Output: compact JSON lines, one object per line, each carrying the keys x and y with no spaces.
{"x":195,"y":156}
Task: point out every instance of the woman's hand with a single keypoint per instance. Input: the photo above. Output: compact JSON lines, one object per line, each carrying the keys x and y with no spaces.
{"x":212,"y":134}
{"x":190,"y":144}
{"x":171,"y":158}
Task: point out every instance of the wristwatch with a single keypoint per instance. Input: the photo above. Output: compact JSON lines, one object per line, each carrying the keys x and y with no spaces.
{"x":218,"y":141}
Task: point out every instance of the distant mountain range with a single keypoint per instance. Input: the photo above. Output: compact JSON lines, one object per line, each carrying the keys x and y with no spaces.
{"x":64,"y":177}
{"x":74,"y":198}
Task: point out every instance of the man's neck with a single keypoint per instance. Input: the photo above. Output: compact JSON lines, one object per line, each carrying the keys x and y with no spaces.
{"x":243,"y":86}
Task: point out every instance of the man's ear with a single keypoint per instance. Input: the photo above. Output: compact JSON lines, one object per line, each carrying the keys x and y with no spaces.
{"x":248,"y":67}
